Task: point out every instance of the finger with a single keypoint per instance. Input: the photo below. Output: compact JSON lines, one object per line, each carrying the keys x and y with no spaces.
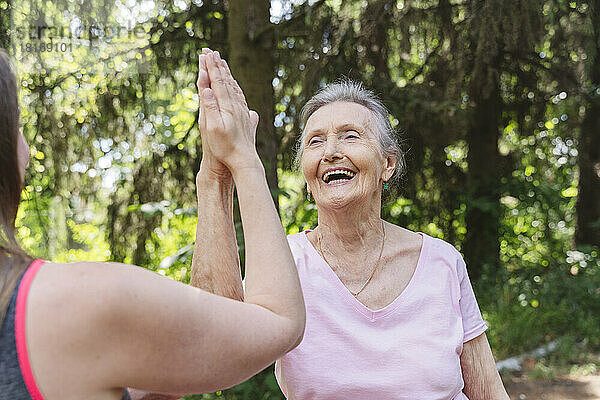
{"x":217,"y":83}
{"x":212,"y":114}
{"x":226,"y":66}
{"x":254,"y":118}
{"x":202,"y":83}
{"x":235,"y":88}
{"x":201,"y":117}
{"x":225,"y":74}
{"x":203,"y":79}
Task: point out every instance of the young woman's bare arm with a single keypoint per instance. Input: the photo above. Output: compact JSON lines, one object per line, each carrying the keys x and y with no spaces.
{"x":482,"y":381}
{"x":94,"y":328}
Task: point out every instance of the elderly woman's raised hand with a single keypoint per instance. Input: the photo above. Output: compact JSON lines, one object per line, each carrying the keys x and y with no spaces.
{"x":227,"y":126}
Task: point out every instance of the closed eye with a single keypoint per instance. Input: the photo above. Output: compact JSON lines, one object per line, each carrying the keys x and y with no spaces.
{"x":314,"y":140}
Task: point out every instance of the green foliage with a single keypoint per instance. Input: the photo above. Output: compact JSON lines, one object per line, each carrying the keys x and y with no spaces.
{"x":545,"y":303}
{"x":542,"y":371}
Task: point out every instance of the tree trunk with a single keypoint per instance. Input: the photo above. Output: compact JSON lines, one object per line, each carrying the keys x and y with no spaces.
{"x":251,"y":48}
{"x":482,"y":245}
{"x":587,"y":230}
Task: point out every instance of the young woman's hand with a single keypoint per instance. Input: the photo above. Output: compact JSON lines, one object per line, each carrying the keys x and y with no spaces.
{"x":227,"y":126}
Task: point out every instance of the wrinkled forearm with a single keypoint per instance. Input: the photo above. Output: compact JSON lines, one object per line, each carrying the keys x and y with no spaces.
{"x":215,"y":264}
{"x":481,"y":378}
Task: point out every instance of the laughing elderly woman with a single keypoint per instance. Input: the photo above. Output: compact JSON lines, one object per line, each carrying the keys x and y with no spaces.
{"x":390,"y":313}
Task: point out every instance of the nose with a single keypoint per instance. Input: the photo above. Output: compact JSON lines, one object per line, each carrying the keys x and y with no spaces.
{"x":331,"y":149}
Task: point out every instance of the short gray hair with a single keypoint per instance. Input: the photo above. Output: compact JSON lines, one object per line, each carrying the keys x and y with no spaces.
{"x":354,"y":92}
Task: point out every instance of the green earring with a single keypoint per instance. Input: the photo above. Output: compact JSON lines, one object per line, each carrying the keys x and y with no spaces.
{"x":309,"y":196}
{"x":386,"y":186}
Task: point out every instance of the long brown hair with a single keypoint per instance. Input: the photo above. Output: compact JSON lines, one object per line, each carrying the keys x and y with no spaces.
{"x":13,"y":260}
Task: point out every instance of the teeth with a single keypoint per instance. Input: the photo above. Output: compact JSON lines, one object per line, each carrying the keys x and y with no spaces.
{"x":337,"y":180}
{"x":350,"y":174}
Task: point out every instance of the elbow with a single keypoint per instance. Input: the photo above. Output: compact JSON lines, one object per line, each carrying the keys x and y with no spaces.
{"x":296,"y":332}
{"x":296,"y":322}
{"x":290,"y":320}
{"x":299,"y":335}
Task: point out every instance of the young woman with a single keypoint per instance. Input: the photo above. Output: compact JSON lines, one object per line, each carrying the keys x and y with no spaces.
{"x":88,"y":330}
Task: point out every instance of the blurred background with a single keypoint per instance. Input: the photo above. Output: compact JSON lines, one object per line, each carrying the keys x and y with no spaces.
{"x":497,"y":104}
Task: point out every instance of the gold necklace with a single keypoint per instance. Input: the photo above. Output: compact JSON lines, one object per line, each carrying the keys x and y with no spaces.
{"x":374,"y":269}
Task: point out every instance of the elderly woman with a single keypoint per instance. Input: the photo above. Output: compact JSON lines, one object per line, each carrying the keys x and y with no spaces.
{"x":390,"y":313}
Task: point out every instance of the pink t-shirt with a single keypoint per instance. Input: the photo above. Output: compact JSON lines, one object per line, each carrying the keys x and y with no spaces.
{"x":409,"y":349}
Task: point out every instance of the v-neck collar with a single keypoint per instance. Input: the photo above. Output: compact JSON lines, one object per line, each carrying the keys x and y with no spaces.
{"x":353,"y":301}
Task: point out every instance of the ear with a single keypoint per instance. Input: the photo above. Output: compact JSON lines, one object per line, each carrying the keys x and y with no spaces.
{"x":390,"y":167}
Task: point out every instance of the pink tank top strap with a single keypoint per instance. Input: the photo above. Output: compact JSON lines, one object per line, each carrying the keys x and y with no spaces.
{"x":20,"y":338}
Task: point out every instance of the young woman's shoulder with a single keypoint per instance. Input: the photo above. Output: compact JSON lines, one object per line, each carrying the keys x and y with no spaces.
{"x":84,"y":287}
